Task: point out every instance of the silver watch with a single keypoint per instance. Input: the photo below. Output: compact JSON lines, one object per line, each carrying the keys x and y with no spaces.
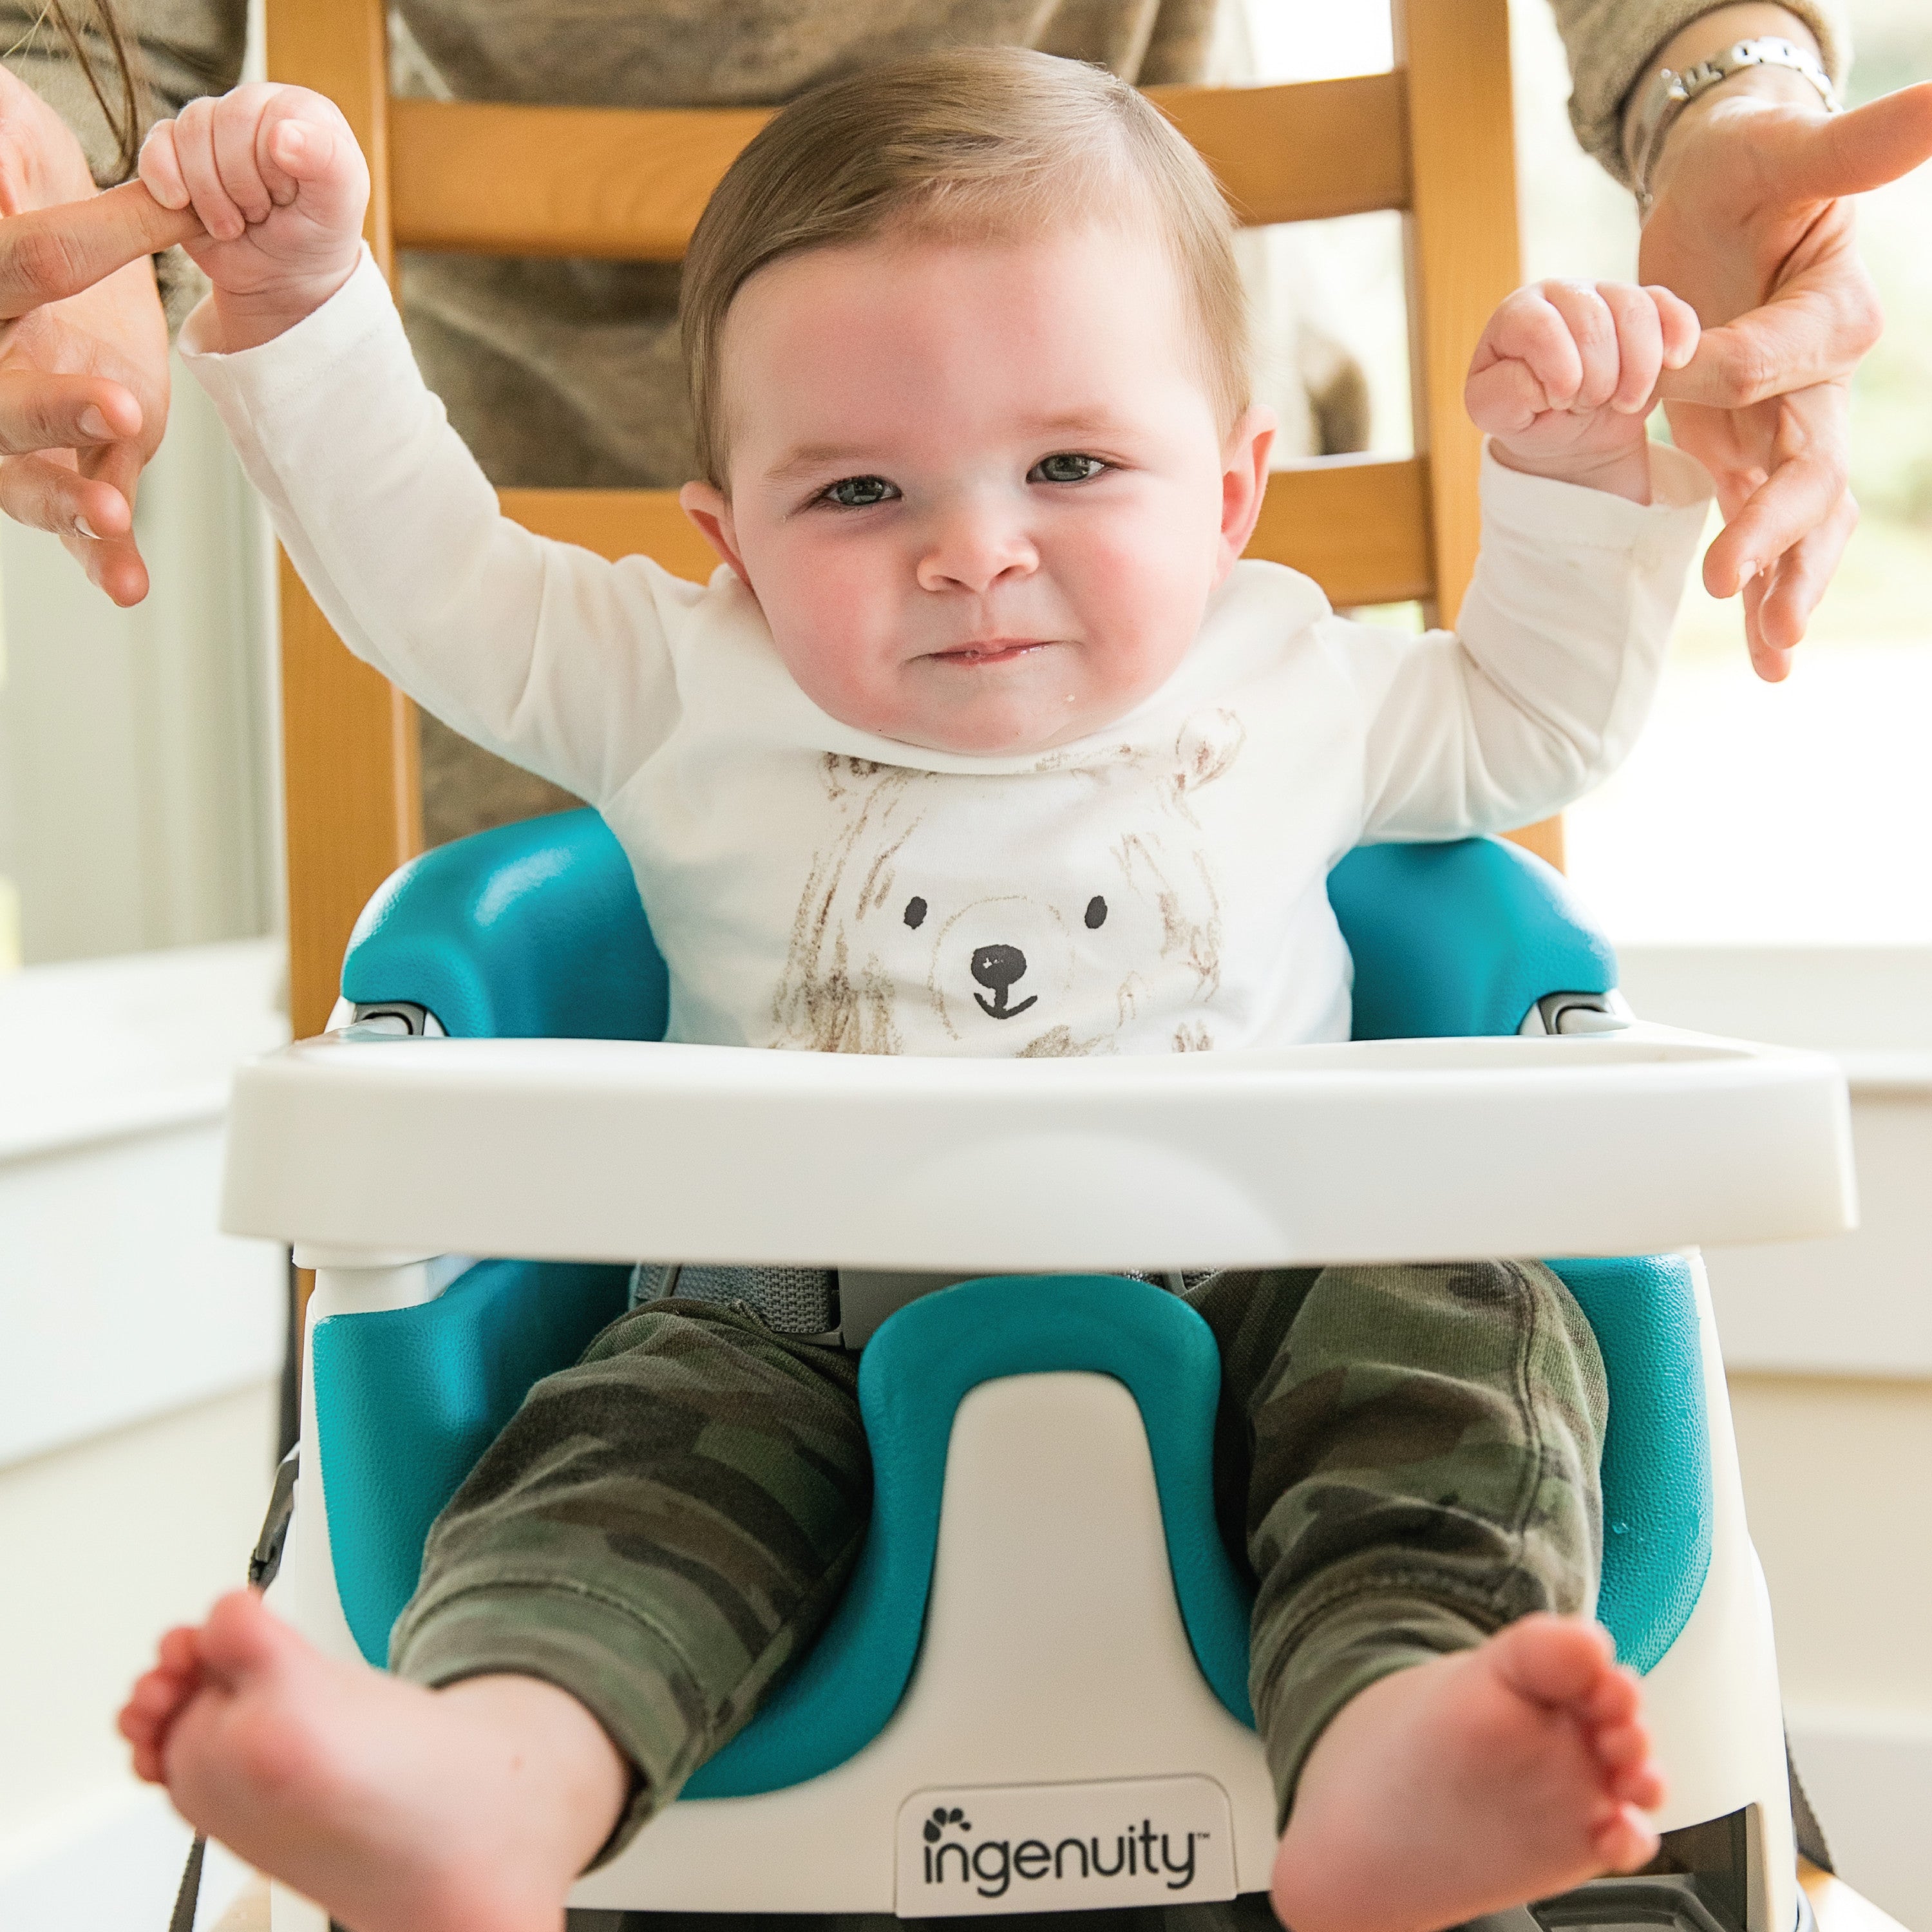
{"x":1668,"y":93}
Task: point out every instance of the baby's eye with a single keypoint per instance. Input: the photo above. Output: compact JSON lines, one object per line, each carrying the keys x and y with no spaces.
{"x":1065,"y":468}
{"x":860,"y":493}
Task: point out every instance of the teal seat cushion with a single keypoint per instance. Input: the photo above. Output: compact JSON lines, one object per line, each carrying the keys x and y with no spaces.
{"x":532,"y":931}
{"x":1657,"y":1451}
{"x":535,"y":930}
{"x":407,"y":1398}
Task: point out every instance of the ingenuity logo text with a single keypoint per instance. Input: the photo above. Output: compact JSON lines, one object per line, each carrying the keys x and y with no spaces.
{"x":1046,"y":1847}
{"x":993,"y":1863}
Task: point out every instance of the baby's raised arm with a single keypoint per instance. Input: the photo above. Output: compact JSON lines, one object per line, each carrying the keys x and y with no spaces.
{"x":1540,"y":692}
{"x":540,"y":650}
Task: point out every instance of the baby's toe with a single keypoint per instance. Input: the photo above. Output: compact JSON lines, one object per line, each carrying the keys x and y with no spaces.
{"x":153,"y":1697}
{"x":242,"y":1637}
{"x":176,"y":1651}
{"x":1553,"y":1660}
{"x":1639,"y":1784}
{"x":1619,"y":1746}
{"x":1625,"y":1840}
{"x":1615,"y":1699}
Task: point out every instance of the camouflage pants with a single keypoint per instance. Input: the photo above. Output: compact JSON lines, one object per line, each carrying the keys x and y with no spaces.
{"x":1406,"y":1457}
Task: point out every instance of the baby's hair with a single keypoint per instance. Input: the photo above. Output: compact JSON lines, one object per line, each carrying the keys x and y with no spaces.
{"x":991,"y":143}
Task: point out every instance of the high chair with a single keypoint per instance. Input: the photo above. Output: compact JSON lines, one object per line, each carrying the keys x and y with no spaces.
{"x":1045,"y":1633}
{"x":1033,"y":1694}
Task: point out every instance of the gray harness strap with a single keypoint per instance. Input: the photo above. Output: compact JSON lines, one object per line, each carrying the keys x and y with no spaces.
{"x":789,"y":1300}
{"x":841,"y":1308}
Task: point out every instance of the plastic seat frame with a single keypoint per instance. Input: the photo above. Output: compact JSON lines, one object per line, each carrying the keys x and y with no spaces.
{"x":535,"y":930}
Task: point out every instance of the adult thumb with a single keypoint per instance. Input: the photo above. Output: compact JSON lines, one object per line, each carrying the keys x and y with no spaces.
{"x":1820,"y":158}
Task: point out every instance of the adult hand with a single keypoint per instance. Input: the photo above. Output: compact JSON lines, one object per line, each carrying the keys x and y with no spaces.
{"x":1752,"y":225}
{"x":83,"y":342}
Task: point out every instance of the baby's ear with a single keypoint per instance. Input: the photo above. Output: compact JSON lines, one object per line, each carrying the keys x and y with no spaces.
{"x":709,"y":508}
{"x":1244,"y":474}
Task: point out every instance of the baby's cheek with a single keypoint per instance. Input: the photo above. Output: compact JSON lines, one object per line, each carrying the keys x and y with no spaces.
{"x":828,"y":616}
{"x":1141,"y":603}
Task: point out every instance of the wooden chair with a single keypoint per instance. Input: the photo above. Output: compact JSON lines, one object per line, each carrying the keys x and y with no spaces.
{"x":1432,"y":137}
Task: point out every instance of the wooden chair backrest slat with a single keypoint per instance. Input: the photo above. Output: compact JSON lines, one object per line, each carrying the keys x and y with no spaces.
{"x":482,"y":177}
{"x":1432,"y":137}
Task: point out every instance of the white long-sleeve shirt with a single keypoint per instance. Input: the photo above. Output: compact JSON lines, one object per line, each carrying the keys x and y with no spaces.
{"x":1157,"y":886}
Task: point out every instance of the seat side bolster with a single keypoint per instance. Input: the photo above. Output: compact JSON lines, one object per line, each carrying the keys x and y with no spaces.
{"x":1454,"y":940}
{"x":529,"y":931}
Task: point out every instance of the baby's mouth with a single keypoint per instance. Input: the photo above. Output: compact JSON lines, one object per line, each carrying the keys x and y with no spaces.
{"x":990,"y":651}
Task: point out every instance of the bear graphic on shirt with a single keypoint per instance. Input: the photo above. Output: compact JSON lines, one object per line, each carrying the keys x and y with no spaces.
{"x":1075,"y":908}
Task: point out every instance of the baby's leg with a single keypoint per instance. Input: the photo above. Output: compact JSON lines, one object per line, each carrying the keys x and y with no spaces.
{"x":1423,"y":1495}
{"x":659,"y":1531}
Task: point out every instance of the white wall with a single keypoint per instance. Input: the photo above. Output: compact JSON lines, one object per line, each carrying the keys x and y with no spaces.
{"x":137,"y":1393}
{"x":1837,"y":1481}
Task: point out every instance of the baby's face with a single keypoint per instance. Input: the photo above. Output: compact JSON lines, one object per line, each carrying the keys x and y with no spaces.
{"x":977,"y":488}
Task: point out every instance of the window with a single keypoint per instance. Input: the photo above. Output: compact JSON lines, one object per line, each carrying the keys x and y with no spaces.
{"x":1749,"y":813}
{"x":137,"y":788}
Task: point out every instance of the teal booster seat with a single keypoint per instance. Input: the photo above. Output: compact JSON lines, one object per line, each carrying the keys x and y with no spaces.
{"x":1033,"y":1696}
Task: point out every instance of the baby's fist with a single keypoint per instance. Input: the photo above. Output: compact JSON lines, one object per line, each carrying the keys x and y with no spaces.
{"x":278,"y":182}
{"x":1566,"y":373}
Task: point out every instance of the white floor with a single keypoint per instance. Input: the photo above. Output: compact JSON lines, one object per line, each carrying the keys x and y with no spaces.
{"x":115,"y":1863}
{"x":1871,"y":1785}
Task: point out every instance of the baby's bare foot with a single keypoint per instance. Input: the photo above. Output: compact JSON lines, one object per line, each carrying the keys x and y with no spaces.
{"x":1470,"y":1784}
{"x":399,"y":1809}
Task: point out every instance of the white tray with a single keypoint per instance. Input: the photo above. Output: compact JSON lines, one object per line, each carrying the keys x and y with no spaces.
{"x":1629,"y":1143}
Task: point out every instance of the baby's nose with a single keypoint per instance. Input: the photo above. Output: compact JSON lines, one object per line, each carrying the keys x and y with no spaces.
{"x":975,"y":548}
{"x":998,"y":967}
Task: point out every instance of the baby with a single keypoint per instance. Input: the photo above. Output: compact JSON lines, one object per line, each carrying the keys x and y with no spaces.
{"x":982,"y":740}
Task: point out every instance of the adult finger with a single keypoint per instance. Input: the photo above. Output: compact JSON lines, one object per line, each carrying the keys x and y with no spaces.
{"x":114,"y":563}
{"x":1818,"y":332}
{"x":1725,"y":442}
{"x":1794,"y":589}
{"x":1807,"y":465}
{"x":1819,"y":157}
{"x":45,"y":494}
{"x":42,"y":411}
{"x":114,"y":566}
{"x":53,"y":253}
